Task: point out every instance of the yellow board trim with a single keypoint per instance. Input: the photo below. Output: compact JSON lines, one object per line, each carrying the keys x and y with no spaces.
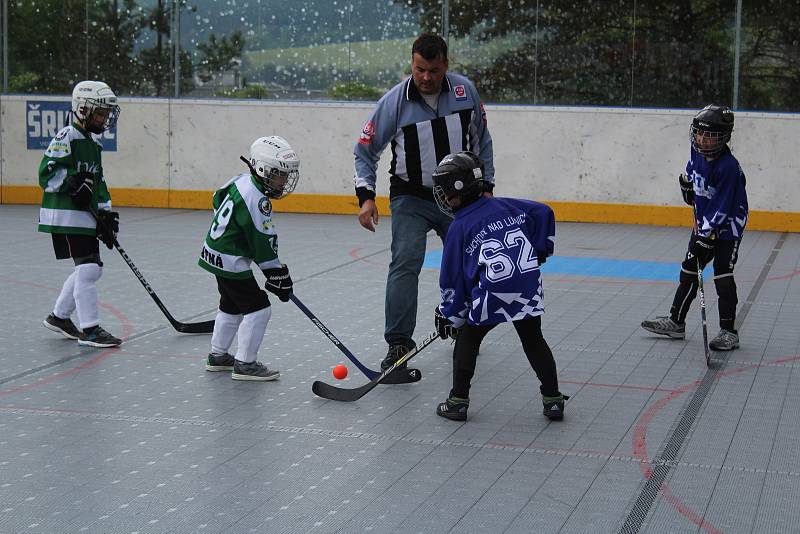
{"x":772,"y":221}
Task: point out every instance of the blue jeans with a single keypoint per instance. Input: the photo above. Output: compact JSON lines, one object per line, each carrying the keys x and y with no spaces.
{"x":412,"y":218}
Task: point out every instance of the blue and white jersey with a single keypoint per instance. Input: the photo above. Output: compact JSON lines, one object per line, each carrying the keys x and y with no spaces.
{"x":719,"y":195}
{"x":490,"y":263}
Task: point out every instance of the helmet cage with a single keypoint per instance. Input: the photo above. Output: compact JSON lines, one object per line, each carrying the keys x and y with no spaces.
{"x":719,"y":136}
{"x":441,"y":200}
{"x":277,"y":182}
{"x":87,"y":107}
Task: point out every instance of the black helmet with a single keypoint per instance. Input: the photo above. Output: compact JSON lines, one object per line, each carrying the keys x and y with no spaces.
{"x":461,"y":175}
{"x":715,"y":123}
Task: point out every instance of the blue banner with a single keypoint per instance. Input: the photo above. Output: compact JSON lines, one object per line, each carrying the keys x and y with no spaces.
{"x":44,"y":118}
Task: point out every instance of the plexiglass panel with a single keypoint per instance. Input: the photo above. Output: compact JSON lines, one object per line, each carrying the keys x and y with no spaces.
{"x":642,"y":53}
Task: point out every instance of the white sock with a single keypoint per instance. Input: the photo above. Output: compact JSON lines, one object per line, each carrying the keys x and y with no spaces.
{"x":251,"y":333}
{"x":85,"y":294}
{"x":225,"y":326}
{"x":65,"y":303}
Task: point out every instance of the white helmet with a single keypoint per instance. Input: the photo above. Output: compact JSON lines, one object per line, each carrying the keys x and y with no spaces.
{"x":275,"y":163}
{"x":91,"y":97}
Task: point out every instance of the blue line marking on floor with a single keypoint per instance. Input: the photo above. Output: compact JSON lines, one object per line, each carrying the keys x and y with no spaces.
{"x":600,"y":267}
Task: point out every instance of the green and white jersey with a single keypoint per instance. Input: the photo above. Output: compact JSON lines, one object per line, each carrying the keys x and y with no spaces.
{"x":71,"y":151}
{"x":242,"y":231}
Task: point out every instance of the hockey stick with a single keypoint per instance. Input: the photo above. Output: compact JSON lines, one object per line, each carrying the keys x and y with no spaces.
{"x":410,"y":375}
{"x":702,"y":297}
{"x":205,"y":327}
{"x":327,"y":391}
{"x":703,"y":312}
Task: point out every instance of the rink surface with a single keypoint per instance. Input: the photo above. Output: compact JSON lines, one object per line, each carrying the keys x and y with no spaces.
{"x":143,"y":439}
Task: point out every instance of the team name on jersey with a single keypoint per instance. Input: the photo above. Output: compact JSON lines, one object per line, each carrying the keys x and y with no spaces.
{"x":211,"y":258}
{"x":495,"y":226}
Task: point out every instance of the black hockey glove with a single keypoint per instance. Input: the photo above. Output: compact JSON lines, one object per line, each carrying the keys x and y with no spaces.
{"x":107,"y":227}
{"x":279,"y":282}
{"x":687,"y":188}
{"x":80,"y":187}
{"x":702,"y":247}
{"x":443,"y":325}
{"x":542,"y":257}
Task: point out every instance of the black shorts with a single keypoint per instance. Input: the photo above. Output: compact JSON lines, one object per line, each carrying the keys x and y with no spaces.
{"x":81,"y":248}
{"x":241,"y":296}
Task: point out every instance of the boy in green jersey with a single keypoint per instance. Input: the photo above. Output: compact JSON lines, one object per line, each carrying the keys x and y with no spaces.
{"x":242,"y":233}
{"x":71,"y":175}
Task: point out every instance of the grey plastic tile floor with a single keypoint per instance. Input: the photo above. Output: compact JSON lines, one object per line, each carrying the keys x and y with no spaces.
{"x":143,"y":439}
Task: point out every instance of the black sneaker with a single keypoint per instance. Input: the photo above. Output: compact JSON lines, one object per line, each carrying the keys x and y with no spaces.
{"x":219,"y":362}
{"x":97,"y":337}
{"x":454,"y":408}
{"x":253,"y":371}
{"x":554,"y":407}
{"x":65,"y":327}
{"x":395,"y":353}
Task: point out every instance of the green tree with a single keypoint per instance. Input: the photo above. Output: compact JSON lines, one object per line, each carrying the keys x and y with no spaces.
{"x":220,"y":53}
{"x":677,"y":54}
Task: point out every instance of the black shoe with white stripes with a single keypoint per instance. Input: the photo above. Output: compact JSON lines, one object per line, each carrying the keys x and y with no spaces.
{"x":65,"y":327}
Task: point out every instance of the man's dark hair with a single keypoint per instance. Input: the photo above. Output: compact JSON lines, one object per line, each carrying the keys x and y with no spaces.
{"x":430,"y":46}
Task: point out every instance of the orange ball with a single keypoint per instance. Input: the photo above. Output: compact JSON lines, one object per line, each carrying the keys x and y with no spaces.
{"x":340,"y":372}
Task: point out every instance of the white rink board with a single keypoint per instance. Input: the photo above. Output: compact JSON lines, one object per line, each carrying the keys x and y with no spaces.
{"x":570,"y":154}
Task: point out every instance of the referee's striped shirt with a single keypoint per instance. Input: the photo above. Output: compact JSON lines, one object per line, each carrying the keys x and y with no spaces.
{"x":421,"y":136}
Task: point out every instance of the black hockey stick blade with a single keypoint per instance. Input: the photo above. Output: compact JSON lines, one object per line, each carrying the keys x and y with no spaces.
{"x":403,"y":376}
{"x":205,"y":327}
{"x":327,"y":391}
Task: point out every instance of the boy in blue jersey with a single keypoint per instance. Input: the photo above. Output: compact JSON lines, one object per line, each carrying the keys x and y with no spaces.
{"x":715,"y":185}
{"x":490,"y":275}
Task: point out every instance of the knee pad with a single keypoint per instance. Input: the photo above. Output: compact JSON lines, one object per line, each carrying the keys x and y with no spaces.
{"x":88,"y":273}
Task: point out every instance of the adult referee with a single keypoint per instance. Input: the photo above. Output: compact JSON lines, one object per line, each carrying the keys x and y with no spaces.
{"x":425,"y":117}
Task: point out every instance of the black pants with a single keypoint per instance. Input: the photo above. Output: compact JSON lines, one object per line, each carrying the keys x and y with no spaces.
{"x":725,"y":255}
{"x":529,"y":330}
{"x":240,"y":296}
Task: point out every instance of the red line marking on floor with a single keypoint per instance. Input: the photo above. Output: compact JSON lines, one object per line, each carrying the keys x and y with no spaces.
{"x":354,"y":253}
{"x":127,"y":329}
{"x":640,"y":441}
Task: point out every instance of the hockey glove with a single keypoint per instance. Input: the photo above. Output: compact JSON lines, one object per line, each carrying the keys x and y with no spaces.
{"x":279,"y":282}
{"x":107,"y":227}
{"x":702,"y":247}
{"x":444,"y":326}
{"x":80,"y":187}
{"x":687,"y":189}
